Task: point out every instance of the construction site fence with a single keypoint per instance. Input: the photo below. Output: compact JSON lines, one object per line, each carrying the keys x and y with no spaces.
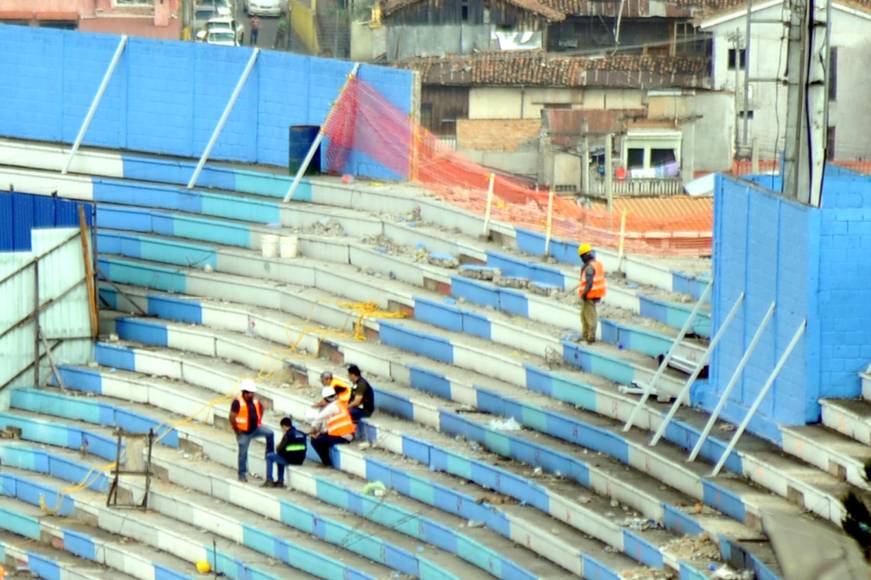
{"x":363,"y":121}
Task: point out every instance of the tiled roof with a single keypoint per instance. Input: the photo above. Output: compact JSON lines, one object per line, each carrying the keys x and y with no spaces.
{"x":540,"y":8}
{"x":539,"y":69}
{"x":714,"y":8}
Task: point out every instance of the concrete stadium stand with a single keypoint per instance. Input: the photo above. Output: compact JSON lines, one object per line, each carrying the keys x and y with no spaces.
{"x":404,"y":517}
{"x":174,"y":519}
{"x":18,"y":553}
{"x":403,"y":560}
{"x":398,"y":475}
{"x":420,"y":413}
{"x":24,"y":518}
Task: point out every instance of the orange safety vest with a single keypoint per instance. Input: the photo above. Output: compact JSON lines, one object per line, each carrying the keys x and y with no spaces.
{"x":598,"y":290}
{"x":341,"y":424}
{"x":242,"y":416}
{"x":343,"y":391}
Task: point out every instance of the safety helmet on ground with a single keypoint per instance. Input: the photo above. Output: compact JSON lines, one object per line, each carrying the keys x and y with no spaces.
{"x":328,"y":392}
{"x":584,"y":249}
{"x":249,"y":385}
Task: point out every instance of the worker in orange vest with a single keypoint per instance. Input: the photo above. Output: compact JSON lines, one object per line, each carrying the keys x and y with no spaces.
{"x":343,"y":390}
{"x":591,"y":289}
{"x":246,"y":419}
{"x":332,"y":426}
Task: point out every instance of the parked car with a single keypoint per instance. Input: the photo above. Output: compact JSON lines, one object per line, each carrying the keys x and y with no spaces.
{"x":265,"y":7}
{"x":202,"y":14}
{"x":221,"y":7}
{"x":222,"y":37}
{"x":222,"y":23}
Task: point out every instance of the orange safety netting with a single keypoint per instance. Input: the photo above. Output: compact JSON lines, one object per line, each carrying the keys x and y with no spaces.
{"x":364,"y":121}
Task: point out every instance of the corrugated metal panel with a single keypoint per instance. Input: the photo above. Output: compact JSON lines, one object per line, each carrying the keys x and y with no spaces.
{"x":21,"y":212}
{"x":61,"y":270}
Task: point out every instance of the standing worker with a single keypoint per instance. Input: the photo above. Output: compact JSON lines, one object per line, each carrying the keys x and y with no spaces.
{"x":255,"y":30}
{"x":246,"y":419}
{"x":332,"y":426}
{"x":591,"y":289}
{"x":281,"y":35}
{"x":362,"y":403}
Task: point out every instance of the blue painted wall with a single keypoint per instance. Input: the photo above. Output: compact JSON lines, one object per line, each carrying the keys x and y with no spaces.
{"x":166,"y":96}
{"x":816,"y":264}
{"x":21,"y":212}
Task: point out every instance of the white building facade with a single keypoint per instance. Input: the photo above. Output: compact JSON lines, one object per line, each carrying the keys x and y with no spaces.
{"x":850,"y":74}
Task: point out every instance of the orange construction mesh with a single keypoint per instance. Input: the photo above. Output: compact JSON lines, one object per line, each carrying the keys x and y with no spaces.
{"x":365,"y":122}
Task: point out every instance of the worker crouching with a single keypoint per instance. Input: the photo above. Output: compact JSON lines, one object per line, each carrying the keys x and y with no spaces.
{"x":332,"y":426}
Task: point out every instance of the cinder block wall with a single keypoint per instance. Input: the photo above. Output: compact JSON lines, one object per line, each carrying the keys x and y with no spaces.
{"x":166,"y":96}
{"x":816,"y":264}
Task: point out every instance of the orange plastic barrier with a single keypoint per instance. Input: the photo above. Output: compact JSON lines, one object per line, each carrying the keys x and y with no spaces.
{"x":365,"y":122}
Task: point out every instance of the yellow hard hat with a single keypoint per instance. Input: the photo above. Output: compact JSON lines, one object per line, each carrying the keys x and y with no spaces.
{"x":203,"y":567}
{"x":584,"y":249}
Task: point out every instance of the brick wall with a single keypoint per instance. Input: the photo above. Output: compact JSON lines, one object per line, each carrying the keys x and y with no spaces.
{"x":496,"y":134}
{"x":166,"y":97}
{"x":845,"y":285}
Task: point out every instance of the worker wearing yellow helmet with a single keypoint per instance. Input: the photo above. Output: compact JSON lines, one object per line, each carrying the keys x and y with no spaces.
{"x":591,"y":289}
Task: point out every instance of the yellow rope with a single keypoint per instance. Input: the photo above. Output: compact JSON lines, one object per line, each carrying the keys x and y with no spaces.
{"x":364,"y":310}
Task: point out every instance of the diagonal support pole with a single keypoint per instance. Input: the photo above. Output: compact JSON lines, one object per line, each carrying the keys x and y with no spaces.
{"x":731,"y":384}
{"x":317,"y":142}
{"x":648,"y":389}
{"x":758,"y":401}
{"x":240,"y":84}
{"x":92,"y":110}
{"x":684,"y":391}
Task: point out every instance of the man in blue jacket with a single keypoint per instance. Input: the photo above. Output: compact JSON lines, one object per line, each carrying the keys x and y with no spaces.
{"x":290,"y":451}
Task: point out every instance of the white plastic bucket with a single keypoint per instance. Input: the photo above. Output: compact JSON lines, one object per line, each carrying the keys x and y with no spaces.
{"x":269,"y":245}
{"x":289,"y":246}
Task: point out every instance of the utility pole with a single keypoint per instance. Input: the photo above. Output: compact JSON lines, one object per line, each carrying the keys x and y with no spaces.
{"x":735,"y":39}
{"x":807,"y":102}
{"x":745,"y":106}
{"x":609,"y":170}
{"x":585,"y":158}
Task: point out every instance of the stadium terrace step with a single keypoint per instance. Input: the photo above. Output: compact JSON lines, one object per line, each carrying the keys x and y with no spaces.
{"x":180,"y":514}
{"x":838,"y":455}
{"x":312,"y":372}
{"x":619,"y":365}
{"x":525,"y":526}
{"x":328,"y":194}
{"x":45,"y":561}
{"x":851,"y":417}
{"x":21,"y":514}
{"x":763,"y":465}
{"x":416,"y":520}
{"x":300,"y":514}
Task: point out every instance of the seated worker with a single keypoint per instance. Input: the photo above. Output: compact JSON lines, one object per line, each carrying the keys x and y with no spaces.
{"x":362,"y":403}
{"x":332,"y":425}
{"x":341,"y":387}
{"x":290,"y":451}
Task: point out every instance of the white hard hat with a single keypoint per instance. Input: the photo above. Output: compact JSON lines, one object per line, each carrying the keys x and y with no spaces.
{"x":328,"y":392}
{"x":249,"y":385}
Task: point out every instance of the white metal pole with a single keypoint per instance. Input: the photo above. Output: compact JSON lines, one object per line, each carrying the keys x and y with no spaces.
{"x":732,"y":382}
{"x":549,"y":229}
{"x":489,"y":207}
{"x":648,"y":389}
{"x":758,"y":401}
{"x":92,"y":110}
{"x":700,"y":364}
{"x":224,"y":116}
{"x":620,"y":249}
{"x":317,"y":142}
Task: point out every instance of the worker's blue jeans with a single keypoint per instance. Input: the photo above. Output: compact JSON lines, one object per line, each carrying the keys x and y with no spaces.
{"x":244,"y":440}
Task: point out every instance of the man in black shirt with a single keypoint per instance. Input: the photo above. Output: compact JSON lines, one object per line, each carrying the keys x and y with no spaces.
{"x":290,"y":451}
{"x":362,"y":402}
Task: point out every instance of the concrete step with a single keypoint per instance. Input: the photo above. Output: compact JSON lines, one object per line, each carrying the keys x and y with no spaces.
{"x":852,"y":417}
{"x":78,"y":532}
{"x":430,"y":525}
{"x":21,"y":555}
{"x":838,"y":455}
{"x":267,"y":544}
{"x":313,"y":373}
{"x":619,"y":365}
{"x":764,"y":465}
{"x":347,"y":458}
{"x":384,"y":545}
